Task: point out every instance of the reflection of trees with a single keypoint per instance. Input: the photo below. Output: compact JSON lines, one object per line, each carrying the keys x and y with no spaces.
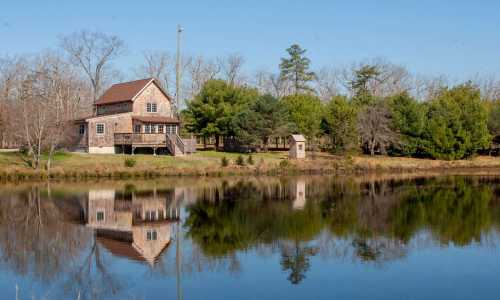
{"x":296,"y":259}
{"x":243,"y":219}
{"x":455,"y":211}
{"x":91,"y":279}
{"x":33,"y":237}
{"x":378,"y":218}
{"x":37,"y":240}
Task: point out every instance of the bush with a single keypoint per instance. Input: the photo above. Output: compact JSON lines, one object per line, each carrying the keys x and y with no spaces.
{"x":284,"y":164}
{"x":130,"y":162}
{"x":250,"y":160}
{"x":240,"y":161}
{"x":224,"y":162}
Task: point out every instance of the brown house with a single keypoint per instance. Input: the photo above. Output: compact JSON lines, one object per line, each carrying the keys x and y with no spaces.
{"x":131,"y":115}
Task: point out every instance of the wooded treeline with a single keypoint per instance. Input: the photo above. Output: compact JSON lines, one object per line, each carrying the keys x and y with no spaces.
{"x":372,"y":106}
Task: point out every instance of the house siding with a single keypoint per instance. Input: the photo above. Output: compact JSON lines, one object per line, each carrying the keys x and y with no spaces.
{"x":104,"y":143}
{"x":154,"y":95}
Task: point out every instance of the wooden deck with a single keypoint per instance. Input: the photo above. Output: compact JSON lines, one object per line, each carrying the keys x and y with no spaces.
{"x":175,"y":144}
{"x":141,"y":139}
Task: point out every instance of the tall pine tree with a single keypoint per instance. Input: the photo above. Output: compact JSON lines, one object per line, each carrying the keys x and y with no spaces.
{"x":295,"y":69}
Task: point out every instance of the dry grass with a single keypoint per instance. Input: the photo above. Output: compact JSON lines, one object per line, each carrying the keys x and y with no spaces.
{"x":13,"y":166}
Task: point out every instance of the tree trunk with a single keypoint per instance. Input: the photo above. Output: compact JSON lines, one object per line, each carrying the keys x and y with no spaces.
{"x":266,"y":143}
{"x":217,"y":139}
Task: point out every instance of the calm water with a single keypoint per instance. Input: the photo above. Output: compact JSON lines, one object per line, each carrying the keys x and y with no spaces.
{"x":268,"y":238}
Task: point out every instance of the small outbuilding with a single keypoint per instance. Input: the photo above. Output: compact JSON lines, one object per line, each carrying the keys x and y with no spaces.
{"x":297,"y":146}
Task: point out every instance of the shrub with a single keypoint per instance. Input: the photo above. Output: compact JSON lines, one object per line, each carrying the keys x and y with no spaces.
{"x":284,"y":164}
{"x":224,"y":162}
{"x":240,"y":161}
{"x":130,"y":162}
{"x":250,"y":160}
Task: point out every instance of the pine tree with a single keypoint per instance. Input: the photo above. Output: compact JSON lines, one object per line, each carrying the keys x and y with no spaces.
{"x":296,"y":69}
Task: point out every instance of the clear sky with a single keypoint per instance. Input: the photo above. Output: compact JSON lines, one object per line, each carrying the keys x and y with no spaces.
{"x":460,"y":38}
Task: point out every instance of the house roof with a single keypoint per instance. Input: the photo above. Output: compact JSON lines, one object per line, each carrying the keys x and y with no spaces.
{"x":153,"y":119}
{"x":126,"y":91}
{"x":121,"y":248}
{"x":298,"y":138}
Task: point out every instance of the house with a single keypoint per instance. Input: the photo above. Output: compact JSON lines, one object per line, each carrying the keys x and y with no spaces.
{"x":297,"y":146}
{"x":132,"y":115}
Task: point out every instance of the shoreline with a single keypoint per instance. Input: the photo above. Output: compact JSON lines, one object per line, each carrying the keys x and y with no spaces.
{"x":71,"y":166}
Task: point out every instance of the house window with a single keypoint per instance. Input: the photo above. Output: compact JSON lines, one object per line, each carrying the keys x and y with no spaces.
{"x":300,"y":147}
{"x":160,"y":128}
{"x":137,"y":128}
{"x":171,"y":129}
{"x":99,"y":216}
{"x":151,"y":235}
{"x":150,"y":215}
{"x":99,"y":128}
{"x":147,"y":128}
{"x":153,"y":128}
{"x":151,"y":107}
{"x":81,"y":129}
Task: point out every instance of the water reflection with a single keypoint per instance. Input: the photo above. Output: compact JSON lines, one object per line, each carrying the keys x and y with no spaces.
{"x":135,"y":225}
{"x":76,"y":238}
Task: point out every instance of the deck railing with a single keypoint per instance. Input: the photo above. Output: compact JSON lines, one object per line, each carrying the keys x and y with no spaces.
{"x":140,"y":138}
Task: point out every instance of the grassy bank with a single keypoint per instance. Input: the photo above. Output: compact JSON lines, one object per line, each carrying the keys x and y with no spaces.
{"x":13,"y":166}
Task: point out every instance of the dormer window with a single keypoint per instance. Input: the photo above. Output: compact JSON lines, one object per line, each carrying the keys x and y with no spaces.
{"x":151,"y":107}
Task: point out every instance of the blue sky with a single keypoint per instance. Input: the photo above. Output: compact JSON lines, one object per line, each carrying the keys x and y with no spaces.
{"x":459,"y":38}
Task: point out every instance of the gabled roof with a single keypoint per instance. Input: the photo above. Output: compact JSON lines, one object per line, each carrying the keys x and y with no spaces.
{"x":298,"y":138}
{"x":126,"y":91}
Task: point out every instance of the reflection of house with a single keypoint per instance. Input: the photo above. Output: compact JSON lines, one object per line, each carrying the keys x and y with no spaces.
{"x":298,"y":189}
{"x":136,"y":225}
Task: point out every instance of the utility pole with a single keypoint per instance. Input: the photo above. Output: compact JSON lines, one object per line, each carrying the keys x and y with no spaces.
{"x":178,"y":69}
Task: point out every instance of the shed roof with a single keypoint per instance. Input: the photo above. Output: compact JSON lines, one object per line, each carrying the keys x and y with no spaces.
{"x":126,"y":91}
{"x":298,"y":138}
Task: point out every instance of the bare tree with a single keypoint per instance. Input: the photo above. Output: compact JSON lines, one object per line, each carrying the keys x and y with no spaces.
{"x":327,"y":83}
{"x":47,"y":96}
{"x":489,"y":85}
{"x":93,"y":52}
{"x":11,"y":69}
{"x":231,"y":68}
{"x":159,"y":65}
{"x":199,"y":70}
{"x":374,"y":127}
{"x":270,"y":83}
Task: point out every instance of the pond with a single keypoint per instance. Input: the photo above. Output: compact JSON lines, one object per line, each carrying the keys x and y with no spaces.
{"x":252,"y":238}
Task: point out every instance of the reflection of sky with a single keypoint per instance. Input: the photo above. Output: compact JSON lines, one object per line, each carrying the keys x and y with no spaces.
{"x":428,"y":271}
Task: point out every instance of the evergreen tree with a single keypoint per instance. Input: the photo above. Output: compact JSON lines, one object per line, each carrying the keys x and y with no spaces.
{"x":408,"y":119}
{"x":457,"y":123}
{"x":306,"y":111}
{"x":296,"y":69}
{"x":360,"y":84}
{"x":341,"y":120}
{"x":264,"y":118}
{"x":211,"y":112}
